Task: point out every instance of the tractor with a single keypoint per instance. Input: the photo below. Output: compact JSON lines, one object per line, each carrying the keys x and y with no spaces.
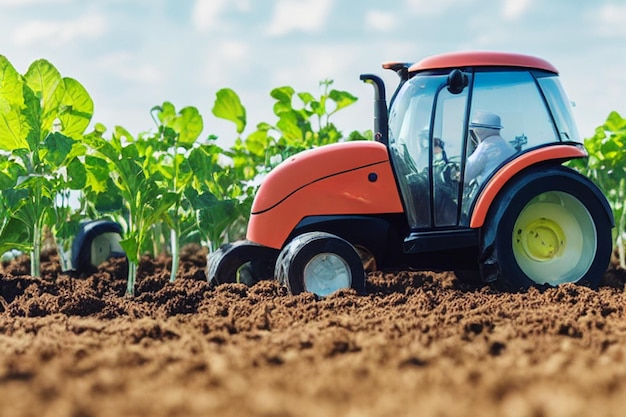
{"x":466,"y":174}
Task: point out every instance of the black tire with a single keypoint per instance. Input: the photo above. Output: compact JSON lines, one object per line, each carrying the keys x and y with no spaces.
{"x":469,"y":276}
{"x":105,"y":235}
{"x":552,"y":229}
{"x":240,"y":262}
{"x":335,"y":258}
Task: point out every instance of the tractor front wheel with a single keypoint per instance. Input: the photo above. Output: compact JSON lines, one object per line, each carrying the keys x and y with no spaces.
{"x":320,"y":263}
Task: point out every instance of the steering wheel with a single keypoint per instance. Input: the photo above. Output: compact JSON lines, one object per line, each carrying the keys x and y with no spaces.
{"x":451,"y":172}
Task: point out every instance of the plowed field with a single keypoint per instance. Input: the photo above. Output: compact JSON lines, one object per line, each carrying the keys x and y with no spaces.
{"x":417,"y":344}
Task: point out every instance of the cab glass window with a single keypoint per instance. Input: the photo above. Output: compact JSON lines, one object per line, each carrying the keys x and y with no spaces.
{"x":515,"y":97}
{"x":561,"y":108}
{"x":409,"y":144}
{"x":447,"y":149}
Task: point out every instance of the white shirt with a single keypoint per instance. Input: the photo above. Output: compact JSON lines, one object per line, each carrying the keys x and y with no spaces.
{"x":489,"y":153}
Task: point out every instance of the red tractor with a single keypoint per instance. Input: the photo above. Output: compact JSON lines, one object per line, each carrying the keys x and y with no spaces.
{"x":466,"y":174}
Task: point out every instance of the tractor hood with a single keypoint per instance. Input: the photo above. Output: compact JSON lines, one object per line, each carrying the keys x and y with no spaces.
{"x":313,"y":165}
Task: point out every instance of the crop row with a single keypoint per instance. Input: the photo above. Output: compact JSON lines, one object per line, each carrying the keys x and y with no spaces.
{"x":168,"y":184}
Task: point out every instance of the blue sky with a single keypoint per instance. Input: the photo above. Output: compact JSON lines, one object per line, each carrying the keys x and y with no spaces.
{"x":134,"y":54}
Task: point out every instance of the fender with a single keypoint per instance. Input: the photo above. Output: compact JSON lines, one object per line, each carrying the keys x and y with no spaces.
{"x":554,"y":154}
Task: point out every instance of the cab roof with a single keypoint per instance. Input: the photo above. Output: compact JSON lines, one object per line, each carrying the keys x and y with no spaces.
{"x":481,"y":59}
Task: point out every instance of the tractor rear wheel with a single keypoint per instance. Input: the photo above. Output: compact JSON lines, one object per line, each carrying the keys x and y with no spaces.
{"x":320,"y":263}
{"x":553,"y":232}
{"x":242,"y":262}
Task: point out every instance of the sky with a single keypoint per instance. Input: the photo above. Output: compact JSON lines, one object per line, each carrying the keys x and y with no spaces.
{"x":134,"y":54}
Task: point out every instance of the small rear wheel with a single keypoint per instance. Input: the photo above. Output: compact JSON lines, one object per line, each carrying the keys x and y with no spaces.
{"x":242,"y":262}
{"x":320,"y":263}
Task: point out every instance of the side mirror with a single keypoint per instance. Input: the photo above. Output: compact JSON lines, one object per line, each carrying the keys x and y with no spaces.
{"x":457,"y":81}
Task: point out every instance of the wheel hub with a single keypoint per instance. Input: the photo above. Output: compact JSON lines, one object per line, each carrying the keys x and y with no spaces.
{"x":542,"y":239}
{"x":326,"y":273}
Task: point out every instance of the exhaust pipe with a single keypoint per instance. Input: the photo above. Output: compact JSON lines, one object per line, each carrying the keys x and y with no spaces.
{"x":381,"y":120}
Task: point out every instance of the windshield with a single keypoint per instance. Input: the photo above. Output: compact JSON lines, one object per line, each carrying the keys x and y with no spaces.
{"x":561,"y":107}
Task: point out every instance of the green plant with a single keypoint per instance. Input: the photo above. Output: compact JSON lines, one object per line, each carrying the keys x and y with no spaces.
{"x":176,"y":137}
{"x":145,"y":196}
{"x":218,"y":198}
{"x":42,"y":119}
{"x":606,"y":166}
{"x":304,"y":122}
{"x":159,"y":183}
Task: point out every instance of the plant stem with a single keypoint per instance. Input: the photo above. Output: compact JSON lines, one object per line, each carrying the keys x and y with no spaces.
{"x":35,"y":254}
{"x":621,"y":233}
{"x":175,"y":257}
{"x":132,"y":274}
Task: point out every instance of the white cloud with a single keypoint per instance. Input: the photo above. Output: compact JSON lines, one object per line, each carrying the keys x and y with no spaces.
{"x":379,"y":20}
{"x":22,"y":3}
{"x":206,"y":13}
{"x":514,"y":9}
{"x":233,"y":51}
{"x":224,"y":63}
{"x":429,"y":7}
{"x":58,"y":33}
{"x":611,"y":20}
{"x":299,"y":15}
{"x":126,"y":66}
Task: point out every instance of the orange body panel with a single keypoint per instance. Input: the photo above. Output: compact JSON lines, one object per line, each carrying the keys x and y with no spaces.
{"x":479,"y":58}
{"x":330,"y":180}
{"x":495,"y":184}
{"x":312,"y":165}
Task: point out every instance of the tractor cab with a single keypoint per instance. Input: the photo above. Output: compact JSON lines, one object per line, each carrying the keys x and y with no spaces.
{"x":440,"y":111}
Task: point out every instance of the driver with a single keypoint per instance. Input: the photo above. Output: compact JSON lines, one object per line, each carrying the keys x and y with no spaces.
{"x":439,"y":153}
{"x":446,"y":185}
{"x":492,"y":149}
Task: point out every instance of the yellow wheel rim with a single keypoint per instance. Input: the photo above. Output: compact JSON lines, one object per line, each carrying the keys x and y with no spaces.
{"x":554,"y":239}
{"x":541,"y":239}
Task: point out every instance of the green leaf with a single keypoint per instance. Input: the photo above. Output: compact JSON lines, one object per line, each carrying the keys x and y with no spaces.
{"x":288,"y":125}
{"x":97,"y":174}
{"x":342,"y":99}
{"x":257,"y":142}
{"x":228,"y":106}
{"x":13,"y":234}
{"x":283,"y":96}
{"x":109,"y":149}
{"x":189,"y":126}
{"x":76,"y":108}
{"x":131,"y":247}
{"x":306,"y":97}
{"x":57,"y":147}
{"x":77,"y":175}
{"x":203,"y":161}
{"x":615,"y":122}
{"x":46,"y":82}
{"x":14,"y":128}
{"x":166,"y":113}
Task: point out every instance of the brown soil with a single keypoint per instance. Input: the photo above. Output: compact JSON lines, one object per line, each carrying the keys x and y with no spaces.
{"x":417,"y":344}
